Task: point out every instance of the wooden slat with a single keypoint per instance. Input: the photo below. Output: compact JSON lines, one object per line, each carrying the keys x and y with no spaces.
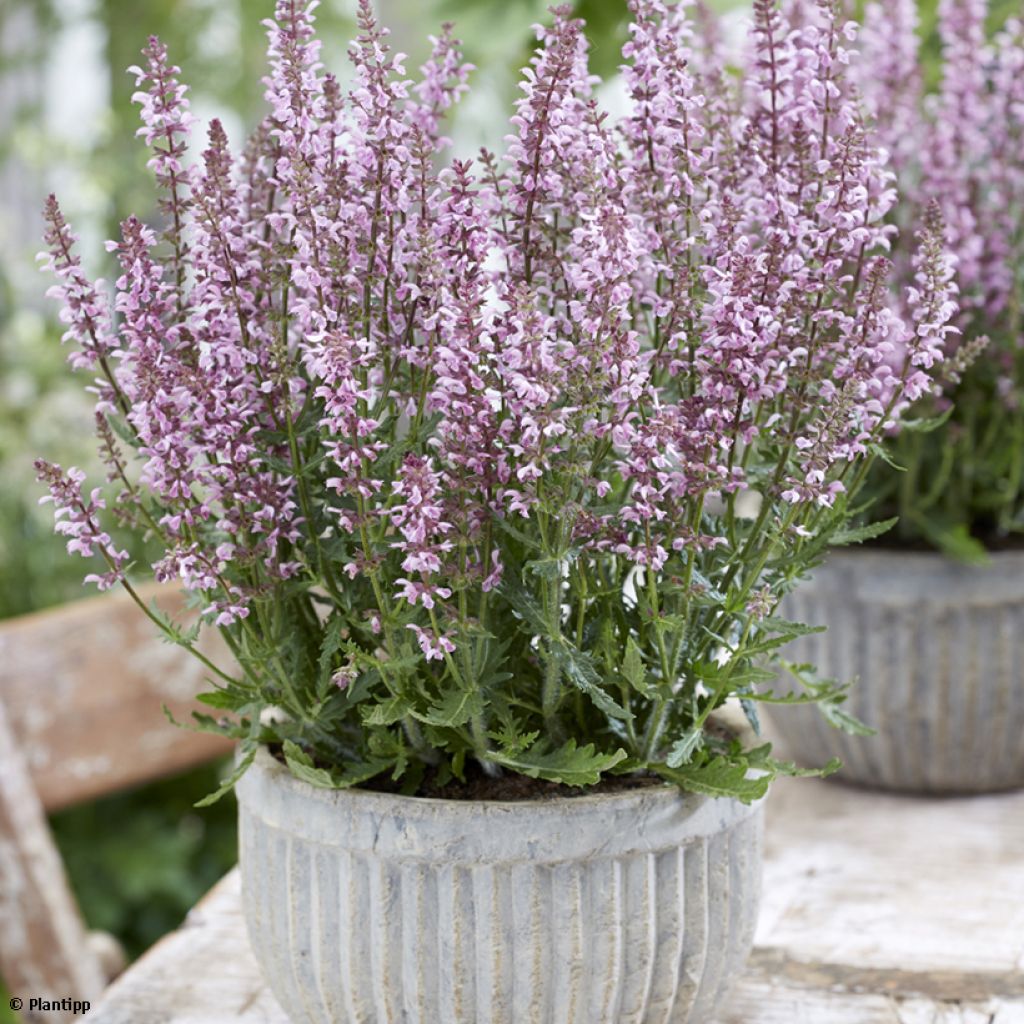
{"x":84,"y":686}
{"x":203,"y":972}
{"x":43,"y":947}
{"x":853,"y":881}
{"x":877,"y":883}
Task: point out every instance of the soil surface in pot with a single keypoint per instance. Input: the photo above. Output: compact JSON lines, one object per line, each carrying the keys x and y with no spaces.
{"x":509,"y":786}
{"x":478,"y":785}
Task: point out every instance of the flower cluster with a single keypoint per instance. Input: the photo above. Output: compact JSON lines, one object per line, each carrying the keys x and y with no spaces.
{"x":959,"y":155}
{"x":461,"y":454}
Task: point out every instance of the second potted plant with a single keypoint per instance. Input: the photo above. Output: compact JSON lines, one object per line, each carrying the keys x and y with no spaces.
{"x":461,"y":463}
{"x":930,"y":618}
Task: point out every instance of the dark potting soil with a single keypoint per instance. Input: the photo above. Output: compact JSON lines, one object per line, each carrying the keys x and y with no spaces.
{"x":509,"y":786}
{"x":478,"y":785}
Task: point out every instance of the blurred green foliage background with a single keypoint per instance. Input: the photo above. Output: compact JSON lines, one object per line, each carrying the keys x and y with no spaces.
{"x":139,"y":860}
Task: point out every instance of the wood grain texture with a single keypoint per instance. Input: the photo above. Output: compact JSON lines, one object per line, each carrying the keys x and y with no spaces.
{"x":878,"y":910}
{"x":932,"y":888}
{"x":43,"y":945}
{"x":82,"y":690}
{"x":84,"y":686}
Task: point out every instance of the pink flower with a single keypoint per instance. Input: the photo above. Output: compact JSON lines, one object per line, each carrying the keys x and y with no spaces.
{"x":434,"y":647}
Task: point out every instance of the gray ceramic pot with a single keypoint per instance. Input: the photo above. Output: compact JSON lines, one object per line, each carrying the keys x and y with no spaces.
{"x":937,"y":651}
{"x":366,"y":908}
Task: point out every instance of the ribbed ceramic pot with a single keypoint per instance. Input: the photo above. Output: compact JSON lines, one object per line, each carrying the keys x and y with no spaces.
{"x":937,"y":652}
{"x":634,"y":907}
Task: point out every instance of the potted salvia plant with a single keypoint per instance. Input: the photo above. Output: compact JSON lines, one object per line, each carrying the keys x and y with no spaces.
{"x":492,"y":473}
{"x":931,"y":618}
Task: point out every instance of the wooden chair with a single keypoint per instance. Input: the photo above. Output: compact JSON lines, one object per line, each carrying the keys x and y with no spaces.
{"x":82,"y":690}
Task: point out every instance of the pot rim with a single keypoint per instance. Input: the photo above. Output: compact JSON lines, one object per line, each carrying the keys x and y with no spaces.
{"x":907,"y":579}
{"x":649,"y":819}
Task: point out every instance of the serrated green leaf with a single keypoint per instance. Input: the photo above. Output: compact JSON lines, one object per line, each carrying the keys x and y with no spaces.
{"x":300,"y":764}
{"x":207,"y":723}
{"x":172,"y":632}
{"x":719,"y":777}
{"x":224,"y":699}
{"x":708,"y":591}
{"x":882,"y":452}
{"x":843,"y":720}
{"x":927,"y":424}
{"x":790,"y":769}
{"x":333,"y":641}
{"x":247,"y":756}
{"x":791,"y":629}
{"x":761,"y":757}
{"x":568,"y":764}
{"x":392,"y":710}
{"x":579,"y":669}
{"x":827,"y":694}
{"x":524,"y":604}
{"x":684,"y":748}
{"x":551,"y":567}
{"x":454,"y":709}
{"x":859,"y":534}
{"x":634,"y":671}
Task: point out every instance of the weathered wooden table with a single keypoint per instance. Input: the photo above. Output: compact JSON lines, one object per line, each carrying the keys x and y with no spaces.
{"x":877,"y":910}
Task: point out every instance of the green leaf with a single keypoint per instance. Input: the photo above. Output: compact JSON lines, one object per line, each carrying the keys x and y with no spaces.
{"x":882,"y":452}
{"x":224,"y":699}
{"x":634,"y":671}
{"x":859,"y":534}
{"x":708,"y":592}
{"x":761,"y":757}
{"x":207,"y":723}
{"x":506,"y":526}
{"x":524,"y":604}
{"x":683,"y":749}
{"x":174,"y":633}
{"x":568,"y":764}
{"x":394,"y":709}
{"x":840,"y":719}
{"x":577,"y":666}
{"x":454,"y":709}
{"x":332,"y":643}
{"x":551,"y":567}
{"x":827,"y":694}
{"x":927,"y":424}
{"x":248,"y":755}
{"x":790,"y":629}
{"x":718,"y":777}
{"x":750,"y":710}
{"x":580,"y":671}
{"x":790,"y":769}
{"x":300,"y":764}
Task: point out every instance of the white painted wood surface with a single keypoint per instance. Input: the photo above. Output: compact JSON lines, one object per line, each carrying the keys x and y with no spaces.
{"x":44,"y":946}
{"x":878,"y":909}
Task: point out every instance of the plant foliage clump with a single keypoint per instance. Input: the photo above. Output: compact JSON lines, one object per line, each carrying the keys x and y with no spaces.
{"x":960,"y":146}
{"x":505,"y":460}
